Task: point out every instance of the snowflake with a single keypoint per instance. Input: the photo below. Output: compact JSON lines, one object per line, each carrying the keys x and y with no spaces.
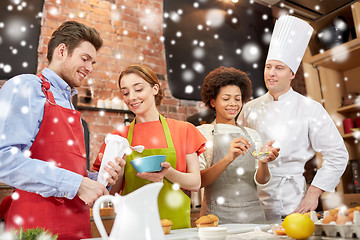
{"x":188,"y":75}
{"x":175,"y":186}
{"x":333,"y":200}
{"x":189,"y":89}
{"x":14,"y":150}
{"x":199,"y":53}
{"x":174,"y":199}
{"x":70,"y":142}
{"x":18,"y":220}
{"x":27,"y":153}
{"x":240,"y":171}
{"x":220,"y":200}
{"x":24,"y":110}
{"x":215,"y":18}
{"x":198,"y":67}
{"x":208,"y":144}
{"x":70,"y":119}
{"x":15,"y":196}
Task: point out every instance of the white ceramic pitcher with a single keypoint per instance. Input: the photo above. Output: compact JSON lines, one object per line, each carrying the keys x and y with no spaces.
{"x":137,"y":215}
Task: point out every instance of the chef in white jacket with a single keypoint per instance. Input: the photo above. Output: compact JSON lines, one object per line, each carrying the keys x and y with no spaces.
{"x":300,"y":127}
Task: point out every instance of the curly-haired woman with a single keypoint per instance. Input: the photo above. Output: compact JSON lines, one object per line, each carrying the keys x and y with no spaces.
{"x":230,"y":173}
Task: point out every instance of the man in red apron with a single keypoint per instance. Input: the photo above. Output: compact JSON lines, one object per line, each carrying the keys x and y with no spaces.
{"x":56,"y":194}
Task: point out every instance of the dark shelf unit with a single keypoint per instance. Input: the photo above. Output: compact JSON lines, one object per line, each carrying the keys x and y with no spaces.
{"x":80,"y":107}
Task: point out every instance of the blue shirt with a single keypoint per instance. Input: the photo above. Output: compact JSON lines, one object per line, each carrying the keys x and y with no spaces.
{"x":21,"y":112}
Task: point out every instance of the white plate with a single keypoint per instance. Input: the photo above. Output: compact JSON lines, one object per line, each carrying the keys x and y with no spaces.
{"x":192,"y":233}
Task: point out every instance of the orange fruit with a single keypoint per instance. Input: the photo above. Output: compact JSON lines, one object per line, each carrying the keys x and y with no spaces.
{"x":328,"y":219}
{"x":351,"y":216}
{"x":334,"y":212}
{"x":298,"y":226}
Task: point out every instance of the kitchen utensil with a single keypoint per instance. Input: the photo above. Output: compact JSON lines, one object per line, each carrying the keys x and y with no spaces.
{"x":148,"y":164}
{"x":116,"y":146}
{"x":137,"y":214}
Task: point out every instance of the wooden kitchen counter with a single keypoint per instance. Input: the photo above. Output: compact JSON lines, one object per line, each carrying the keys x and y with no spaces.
{"x":108,"y":216}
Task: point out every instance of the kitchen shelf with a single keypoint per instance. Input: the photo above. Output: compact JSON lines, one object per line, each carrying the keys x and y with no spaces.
{"x":80,"y":107}
{"x":333,"y":74}
{"x":350,"y":135}
{"x":351,"y":199}
{"x":349,"y":109}
{"x":332,"y":57}
{"x":4,"y":186}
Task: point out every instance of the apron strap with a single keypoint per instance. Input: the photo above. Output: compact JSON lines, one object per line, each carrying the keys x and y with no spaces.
{"x":131,"y":130}
{"x":291,"y":180}
{"x":168,"y":137}
{"x":45,"y":86}
{"x":169,"y":141}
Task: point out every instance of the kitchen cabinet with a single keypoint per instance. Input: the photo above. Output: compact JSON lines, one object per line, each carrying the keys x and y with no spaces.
{"x":5,"y":190}
{"x":329,"y":76}
{"x":107,"y":216}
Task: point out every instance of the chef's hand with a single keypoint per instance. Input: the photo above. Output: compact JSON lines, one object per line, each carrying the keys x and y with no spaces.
{"x":155,"y":176}
{"x":114,"y":169}
{"x":238,"y":146}
{"x":310,"y":201}
{"x":91,"y":190}
{"x":273,"y":152}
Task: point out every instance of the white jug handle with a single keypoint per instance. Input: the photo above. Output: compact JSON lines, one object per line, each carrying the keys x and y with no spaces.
{"x":96,"y":215}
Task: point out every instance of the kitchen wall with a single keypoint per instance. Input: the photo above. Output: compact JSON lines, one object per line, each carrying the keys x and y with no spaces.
{"x":132,"y":31}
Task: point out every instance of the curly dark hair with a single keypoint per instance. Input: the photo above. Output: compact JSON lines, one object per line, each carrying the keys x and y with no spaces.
{"x":222,"y":77}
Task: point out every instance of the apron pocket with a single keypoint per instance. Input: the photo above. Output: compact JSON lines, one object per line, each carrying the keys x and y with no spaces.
{"x":237,"y":204}
{"x":245,"y":212}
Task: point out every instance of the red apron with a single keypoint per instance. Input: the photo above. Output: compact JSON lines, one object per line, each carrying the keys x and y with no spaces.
{"x":60,"y":140}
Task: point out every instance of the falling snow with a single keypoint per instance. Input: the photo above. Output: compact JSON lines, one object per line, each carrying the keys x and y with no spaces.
{"x":19,"y":33}
{"x":214,"y":36}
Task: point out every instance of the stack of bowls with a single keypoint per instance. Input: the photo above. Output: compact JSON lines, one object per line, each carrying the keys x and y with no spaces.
{"x":212,"y":233}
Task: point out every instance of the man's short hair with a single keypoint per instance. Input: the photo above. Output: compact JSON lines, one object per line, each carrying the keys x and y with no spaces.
{"x":72,"y":33}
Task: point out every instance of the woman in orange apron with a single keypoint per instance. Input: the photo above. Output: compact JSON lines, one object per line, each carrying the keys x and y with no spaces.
{"x":180,"y":141}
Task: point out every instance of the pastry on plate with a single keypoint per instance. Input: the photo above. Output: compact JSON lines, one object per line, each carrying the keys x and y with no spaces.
{"x":166,"y":225}
{"x":215,"y":218}
{"x":207,"y":221}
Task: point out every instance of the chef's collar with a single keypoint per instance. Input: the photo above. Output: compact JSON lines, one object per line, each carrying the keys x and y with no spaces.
{"x":58,"y":82}
{"x":283,"y":97}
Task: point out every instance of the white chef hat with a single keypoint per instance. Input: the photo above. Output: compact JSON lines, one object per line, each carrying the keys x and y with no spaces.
{"x":289,"y":40}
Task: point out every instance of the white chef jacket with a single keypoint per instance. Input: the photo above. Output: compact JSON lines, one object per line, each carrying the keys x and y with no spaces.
{"x":300,"y":126}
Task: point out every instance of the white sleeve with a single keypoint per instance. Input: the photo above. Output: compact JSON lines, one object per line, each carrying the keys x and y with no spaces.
{"x":326,"y":139}
{"x":202,"y":161}
{"x":205,"y":159}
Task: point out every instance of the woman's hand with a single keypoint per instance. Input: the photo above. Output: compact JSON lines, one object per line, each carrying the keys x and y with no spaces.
{"x":155,"y":176}
{"x":238,"y":146}
{"x":114,"y":169}
{"x":273,"y":152}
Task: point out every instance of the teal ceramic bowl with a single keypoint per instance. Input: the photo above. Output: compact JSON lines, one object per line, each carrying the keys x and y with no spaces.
{"x":148,"y":164}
